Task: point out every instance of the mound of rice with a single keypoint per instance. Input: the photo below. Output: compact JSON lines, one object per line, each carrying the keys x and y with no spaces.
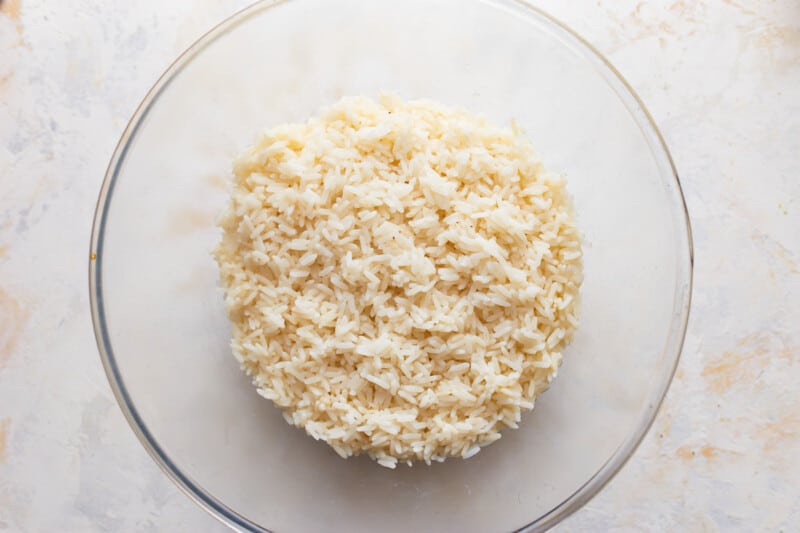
{"x":400,"y":277}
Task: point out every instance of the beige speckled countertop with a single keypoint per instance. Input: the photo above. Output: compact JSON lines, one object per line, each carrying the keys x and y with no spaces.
{"x":722,"y":80}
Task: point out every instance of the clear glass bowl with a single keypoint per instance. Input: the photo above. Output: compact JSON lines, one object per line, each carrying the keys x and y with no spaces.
{"x":159,"y":317}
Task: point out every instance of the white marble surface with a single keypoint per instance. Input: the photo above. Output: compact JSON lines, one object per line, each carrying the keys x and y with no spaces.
{"x":721,"y":78}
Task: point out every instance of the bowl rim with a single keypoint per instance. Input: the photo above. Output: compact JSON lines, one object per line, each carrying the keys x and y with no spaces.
{"x":226,"y":515}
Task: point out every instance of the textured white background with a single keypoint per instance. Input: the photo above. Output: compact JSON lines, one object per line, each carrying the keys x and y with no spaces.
{"x":721,"y":78}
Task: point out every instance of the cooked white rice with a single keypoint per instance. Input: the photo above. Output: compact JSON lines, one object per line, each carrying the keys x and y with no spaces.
{"x":401,"y":277}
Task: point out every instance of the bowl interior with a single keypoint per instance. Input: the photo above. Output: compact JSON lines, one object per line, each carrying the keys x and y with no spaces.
{"x":160,"y":316}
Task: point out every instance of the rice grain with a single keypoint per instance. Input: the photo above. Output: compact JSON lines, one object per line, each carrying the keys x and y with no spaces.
{"x":401,"y":277}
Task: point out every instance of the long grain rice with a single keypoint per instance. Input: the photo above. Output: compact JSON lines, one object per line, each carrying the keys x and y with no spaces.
{"x":401,"y":278}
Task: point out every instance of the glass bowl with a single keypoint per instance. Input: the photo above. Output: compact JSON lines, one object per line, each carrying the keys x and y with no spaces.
{"x":159,"y":317}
